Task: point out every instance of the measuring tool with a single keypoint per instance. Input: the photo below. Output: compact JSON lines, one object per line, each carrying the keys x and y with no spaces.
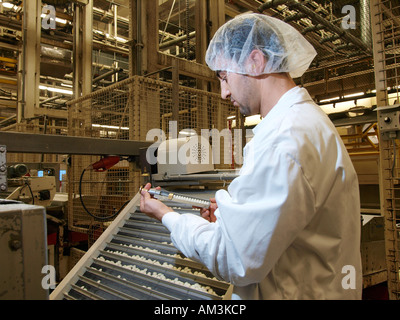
{"x":163,"y":194}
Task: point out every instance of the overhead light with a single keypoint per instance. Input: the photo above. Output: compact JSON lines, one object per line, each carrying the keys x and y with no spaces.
{"x":358,"y":94}
{"x":59,"y":90}
{"x":109,"y":127}
{"x":393,"y":88}
{"x":252,"y":120}
{"x":59,"y":20}
{"x":330,"y":99}
{"x":9,"y":5}
{"x":187,"y":133}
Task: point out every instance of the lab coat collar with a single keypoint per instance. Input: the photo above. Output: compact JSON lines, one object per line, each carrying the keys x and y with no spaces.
{"x":290,"y":98}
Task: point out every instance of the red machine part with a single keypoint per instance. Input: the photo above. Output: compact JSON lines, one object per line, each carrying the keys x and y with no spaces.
{"x":105,"y":163}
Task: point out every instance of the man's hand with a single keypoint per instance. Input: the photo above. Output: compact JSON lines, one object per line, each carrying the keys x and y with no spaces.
{"x":208,"y":214}
{"x":152,"y":207}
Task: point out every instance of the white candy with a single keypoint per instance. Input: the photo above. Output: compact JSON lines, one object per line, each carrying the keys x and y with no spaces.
{"x":156,"y":275}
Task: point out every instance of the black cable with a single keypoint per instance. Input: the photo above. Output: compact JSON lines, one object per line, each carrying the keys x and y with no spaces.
{"x":30,"y":190}
{"x":91,"y":214}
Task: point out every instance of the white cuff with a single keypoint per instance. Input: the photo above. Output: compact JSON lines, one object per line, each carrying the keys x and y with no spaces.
{"x":169,"y":220}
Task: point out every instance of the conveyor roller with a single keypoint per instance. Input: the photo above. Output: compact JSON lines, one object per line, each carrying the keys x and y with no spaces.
{"x":134,"y":259}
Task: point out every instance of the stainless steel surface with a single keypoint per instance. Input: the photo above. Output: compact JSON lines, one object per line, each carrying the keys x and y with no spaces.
{"x":3,"y":168}
{"x":23,"y":252}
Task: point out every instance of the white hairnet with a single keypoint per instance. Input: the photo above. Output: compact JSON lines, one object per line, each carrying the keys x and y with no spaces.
{"x":284,"y":47}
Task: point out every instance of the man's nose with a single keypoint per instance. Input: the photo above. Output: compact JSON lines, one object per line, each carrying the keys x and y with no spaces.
{"x":225,"y":91}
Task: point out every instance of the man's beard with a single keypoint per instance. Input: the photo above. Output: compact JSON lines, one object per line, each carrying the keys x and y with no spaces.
{"x":244,"y":110}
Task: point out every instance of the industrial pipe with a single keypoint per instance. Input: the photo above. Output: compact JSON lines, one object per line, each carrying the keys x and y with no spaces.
{"x":177,"y":40}
{"x":109,"y":73}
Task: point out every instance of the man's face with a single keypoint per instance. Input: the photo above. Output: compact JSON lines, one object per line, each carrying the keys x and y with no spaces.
{"x":240,"y":90}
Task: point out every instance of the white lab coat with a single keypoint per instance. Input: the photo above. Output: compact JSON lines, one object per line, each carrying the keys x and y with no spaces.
{"x":289,"y":225}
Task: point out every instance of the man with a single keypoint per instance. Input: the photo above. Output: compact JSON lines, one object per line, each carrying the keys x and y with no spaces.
{"x":289,"y":226}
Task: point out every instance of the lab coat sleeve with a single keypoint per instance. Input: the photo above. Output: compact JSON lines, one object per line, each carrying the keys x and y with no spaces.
{"x":257,"y":219}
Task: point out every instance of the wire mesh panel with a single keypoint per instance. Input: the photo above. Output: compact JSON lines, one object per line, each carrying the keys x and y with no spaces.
{"x":129,"y":110}
{"x":386,"y":29}
{"x":96,"y":197}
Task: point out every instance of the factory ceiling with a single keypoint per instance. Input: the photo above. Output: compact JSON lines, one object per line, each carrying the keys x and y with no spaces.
{"x":340,"y":31}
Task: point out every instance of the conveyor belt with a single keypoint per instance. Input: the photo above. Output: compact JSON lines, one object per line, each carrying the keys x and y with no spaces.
{"x":134,"y":259}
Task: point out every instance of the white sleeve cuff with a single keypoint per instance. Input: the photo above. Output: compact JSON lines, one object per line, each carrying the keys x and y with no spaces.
{"x":169,"y":220}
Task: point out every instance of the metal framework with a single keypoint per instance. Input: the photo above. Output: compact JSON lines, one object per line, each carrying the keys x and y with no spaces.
{"x":60,"y":144}
{"x":128,"y":111}
{"x":385,"y":27}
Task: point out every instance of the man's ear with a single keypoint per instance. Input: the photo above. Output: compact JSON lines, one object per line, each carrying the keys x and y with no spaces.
{"x":257,"y":62}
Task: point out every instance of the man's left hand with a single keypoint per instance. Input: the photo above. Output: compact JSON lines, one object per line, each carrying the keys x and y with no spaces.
{"x":152,"y":207}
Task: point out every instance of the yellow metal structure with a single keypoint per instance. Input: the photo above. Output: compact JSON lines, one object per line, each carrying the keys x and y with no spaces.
{"x":385,"y":44}
{"x":130,"y":110}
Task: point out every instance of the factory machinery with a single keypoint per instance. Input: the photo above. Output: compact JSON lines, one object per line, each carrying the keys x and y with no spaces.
{"x":135,"y":259}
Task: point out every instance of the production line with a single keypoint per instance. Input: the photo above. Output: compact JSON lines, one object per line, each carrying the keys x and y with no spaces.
{"x":135,"y":259}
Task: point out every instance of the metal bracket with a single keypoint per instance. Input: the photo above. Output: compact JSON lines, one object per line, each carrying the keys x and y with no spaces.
{"x":389,"y":121}
{"x":3,"y":168}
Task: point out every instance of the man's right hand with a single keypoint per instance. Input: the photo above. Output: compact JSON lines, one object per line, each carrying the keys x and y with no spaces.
{"x":208,"y":214}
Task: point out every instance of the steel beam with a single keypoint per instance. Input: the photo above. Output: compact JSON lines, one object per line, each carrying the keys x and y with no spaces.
{"x":57,"y":144}
{"x":29,"y":68}
{"x":82,"y":48}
